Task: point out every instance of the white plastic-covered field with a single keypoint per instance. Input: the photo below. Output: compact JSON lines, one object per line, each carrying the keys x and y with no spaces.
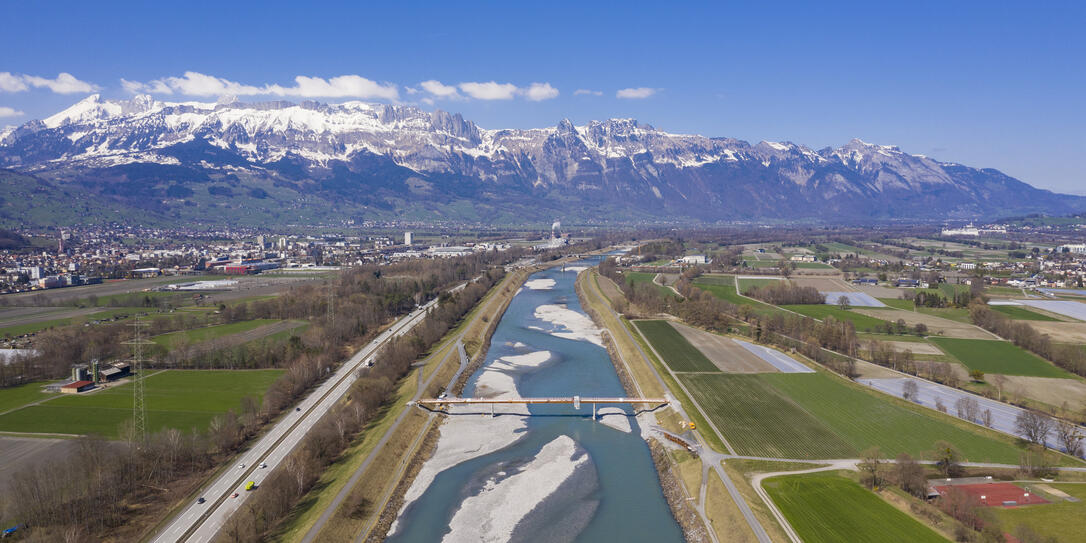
{"x":931,"y":394}
{"x":855,"y":299}
{"x":779,"y":360}
{"x":1075,"y":310}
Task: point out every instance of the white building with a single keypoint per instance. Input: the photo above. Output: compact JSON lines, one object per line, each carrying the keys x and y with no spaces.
{"x":1077,"y":248}
{"x":407,"y":238}
{"x":694,"y":259}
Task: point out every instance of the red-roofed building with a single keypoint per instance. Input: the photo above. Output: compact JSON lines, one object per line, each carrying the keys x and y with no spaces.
{"x":76,"y":387}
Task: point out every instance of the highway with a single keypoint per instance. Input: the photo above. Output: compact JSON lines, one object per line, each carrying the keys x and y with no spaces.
{"x":201,"y":522}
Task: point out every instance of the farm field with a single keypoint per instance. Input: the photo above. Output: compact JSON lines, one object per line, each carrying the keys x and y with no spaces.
{"x":723,"y":287}
{"x":75,"y":316}
{"x":811,"y":416}
{"x":18,"y":396}
{"x":677,"y":352}
{"x":199,"y":335}
{"x":646,"y":278}
{"x":861,"y":321}
{"x":936,"y":325}
{"x":182,"y":399}
{"x":828,"y":507}
{"x":745,"y":283}
{"x":1021,"y":313}
{"x":726,"y":353}
{"x":994,"y":356}
{"x":1064,"y":520}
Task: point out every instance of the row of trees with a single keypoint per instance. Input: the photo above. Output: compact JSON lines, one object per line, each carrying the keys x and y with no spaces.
{"x":785,"y":293}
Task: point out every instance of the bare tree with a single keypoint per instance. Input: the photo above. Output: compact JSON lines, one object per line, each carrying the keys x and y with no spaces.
{"x":1070,"y":436}
{"x":910,"y":390}
{"x":968,"y":408}
{"x":1033,"y":426}
{"x":872,"y":458}
{"x":986,"y":418}
{"x":999,"y":381}
{"x":940,"y":405}
{"x":947,"y":459}
{"x":910,"y":475}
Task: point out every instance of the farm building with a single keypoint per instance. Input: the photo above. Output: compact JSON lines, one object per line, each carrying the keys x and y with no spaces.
{"x":694,"y":259}
{"x":76,"y":387}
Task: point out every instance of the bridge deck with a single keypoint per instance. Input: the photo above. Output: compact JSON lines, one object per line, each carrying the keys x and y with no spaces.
{"x":557,"y":400}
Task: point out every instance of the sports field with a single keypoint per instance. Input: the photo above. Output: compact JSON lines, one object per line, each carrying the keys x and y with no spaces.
{"x":827,"y":507}
{"x":993,"y":356}
{"x":1062,"y":519}
{"x":182,"y":399}
{"x":808,"y":416}
{"x":820,"y":312}
{"x":1021,"y":313}
{"x":677,"y":352}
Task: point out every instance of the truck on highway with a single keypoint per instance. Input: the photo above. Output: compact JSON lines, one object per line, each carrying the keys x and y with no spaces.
{"x":250,"y":485}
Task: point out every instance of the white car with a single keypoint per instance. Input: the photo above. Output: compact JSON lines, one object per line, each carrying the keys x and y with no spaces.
{"x":241,"y":466}
{"x":263,"y":465}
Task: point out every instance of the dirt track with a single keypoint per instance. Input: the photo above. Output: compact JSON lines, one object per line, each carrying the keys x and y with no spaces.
{"x":727,"y":355}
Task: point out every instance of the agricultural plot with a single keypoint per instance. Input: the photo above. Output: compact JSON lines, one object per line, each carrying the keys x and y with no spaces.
{"x":1021,"y":313}
{"x":931,"y":395}
{"x":677,"y":352}
{"x":855,"y":299}
{"x":994,"y":356}
{"x":175,"y":399}
{"x":828,"y":507}
{"x":936,"y":325}
{"x":18,"y":396}
{"x":200,"y":335}
{"x":635,"y":278}
{"x":727,"y":354}
{"x":775,"y":358}
{"x":860,"y":321}
{"x":1075,"y":310}
{"x":723,"y":287}
{"x":811,"y":416}
{"x":746,"y":283}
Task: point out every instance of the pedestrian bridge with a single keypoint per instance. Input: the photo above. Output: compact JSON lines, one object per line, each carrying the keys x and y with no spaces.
{"x":575,"y":401}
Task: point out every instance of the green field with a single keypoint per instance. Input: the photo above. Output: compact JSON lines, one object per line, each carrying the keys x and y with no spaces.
{"x":17,"y":396}
{"x":821,"y":311}
{"x":1064,"y":520}
{"x":33,"y":327}
{"x":678,"y":353}
{"x":827,"y":507}
{"x":1021,"y":313}
{"x":634,"y":278}
{"x":994,"y":356}
{"x":200,"y":335}
{"x":809,"y":416}
{"x":745,"y":283}
{"x":723,"y":287}
{"x":182,"y":399}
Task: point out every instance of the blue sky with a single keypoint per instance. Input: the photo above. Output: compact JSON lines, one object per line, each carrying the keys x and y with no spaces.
{"x":987,"y":84}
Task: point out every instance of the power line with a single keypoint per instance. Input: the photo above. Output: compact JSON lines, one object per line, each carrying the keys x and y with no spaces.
{"x":139,"y":406}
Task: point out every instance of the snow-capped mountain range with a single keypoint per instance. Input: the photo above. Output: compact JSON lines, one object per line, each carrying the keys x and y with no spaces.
{"x":363,"y":158}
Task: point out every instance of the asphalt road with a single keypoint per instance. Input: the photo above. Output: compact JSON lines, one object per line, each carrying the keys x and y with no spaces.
{"x":201,"y":522}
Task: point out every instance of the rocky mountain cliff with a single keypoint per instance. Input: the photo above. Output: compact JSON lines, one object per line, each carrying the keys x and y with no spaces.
{"x":286,"y":162}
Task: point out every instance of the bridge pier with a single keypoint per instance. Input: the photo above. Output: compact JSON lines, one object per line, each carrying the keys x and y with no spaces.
{"x":593,"y":411}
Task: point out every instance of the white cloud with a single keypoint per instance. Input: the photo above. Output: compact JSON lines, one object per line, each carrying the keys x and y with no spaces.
{"x":580,"y":92}
{"x":198,"y":84}
{"x":10,"y":112}
{"x":540,"y":91}
{"x":64,"y":83}
{"x":439,"y":89}
{"x":636,"y":93}
{"x":491,"y":90}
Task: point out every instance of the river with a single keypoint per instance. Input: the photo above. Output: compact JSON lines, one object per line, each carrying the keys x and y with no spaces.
{"x":556,"y":476}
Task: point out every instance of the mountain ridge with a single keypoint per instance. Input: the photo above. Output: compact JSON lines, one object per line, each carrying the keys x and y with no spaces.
{"x":382,"y":160}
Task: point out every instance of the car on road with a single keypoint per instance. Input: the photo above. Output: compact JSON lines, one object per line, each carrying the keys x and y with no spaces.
{"x":263,"y":465}
{"x":250,"y":485}
{"x":200,"y":500}
{"x":234,"y":495}
{"x":241,"y":466}
{"x":297,"y":408}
